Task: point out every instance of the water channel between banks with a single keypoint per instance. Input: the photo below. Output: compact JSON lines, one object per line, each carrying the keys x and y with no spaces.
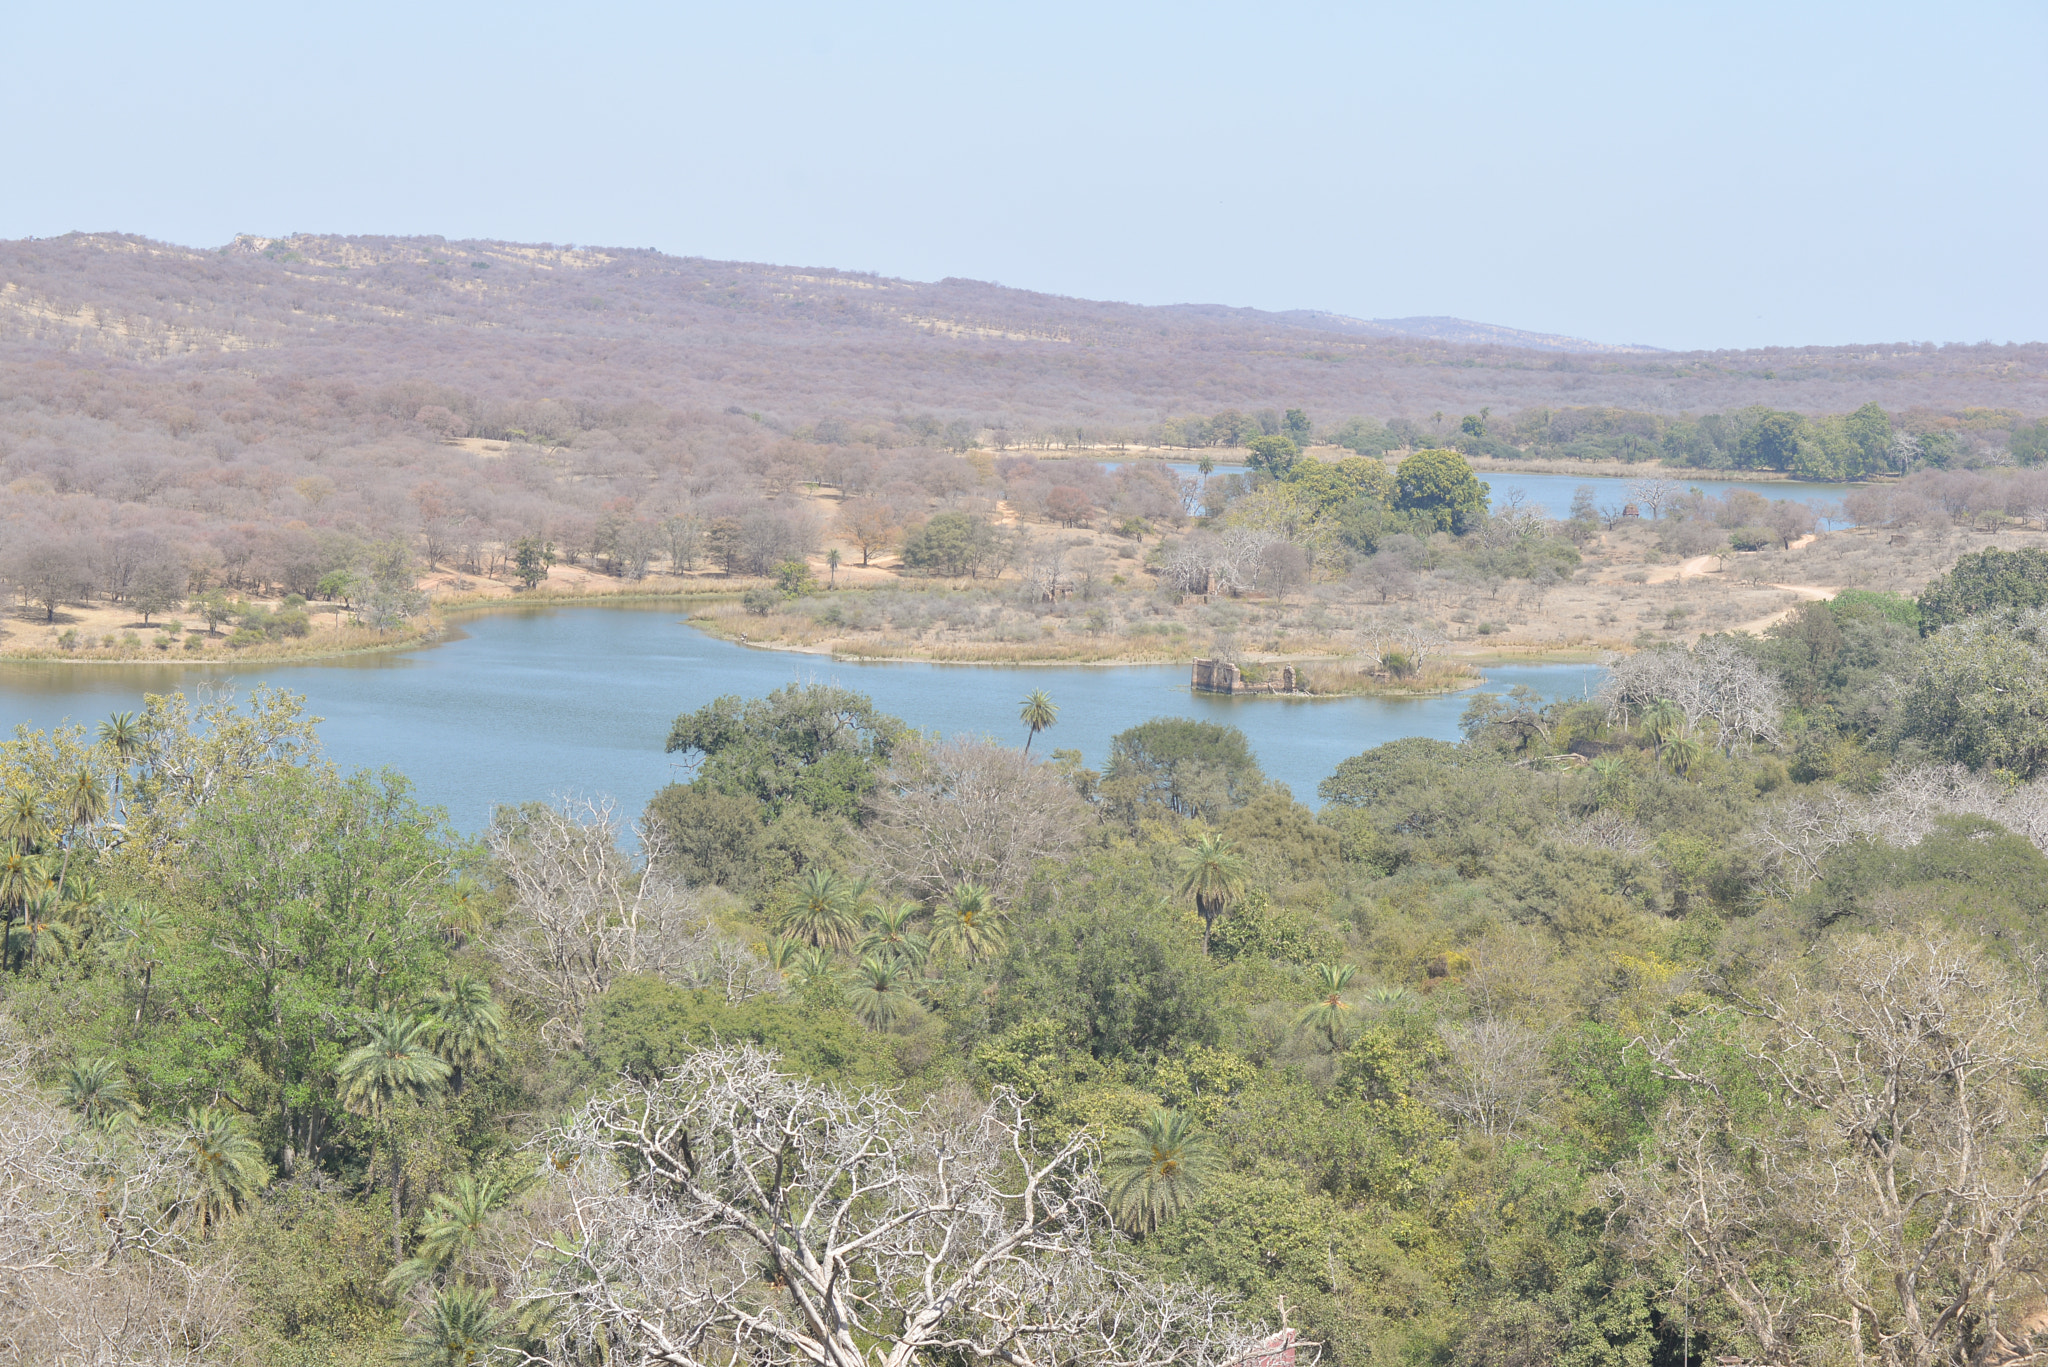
{"x":531,"y":704}
{"x":1551,"y":494}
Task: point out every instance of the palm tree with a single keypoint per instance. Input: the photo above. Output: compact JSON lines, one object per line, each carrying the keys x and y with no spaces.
{"x":142,"y":931}
{"x":780,"y":951}
{"x":813,"y":967}
{"x":1155,"y":1170}
{"x":1326,"y":1013}
{"x":1214,"y":875}
{"x":819,"y":908}
{"x":1663,"y":721}
{"x":889,"y":935}
{"x":24,"y":879}
{"x":394,"y":1064}
{"x":465,"y":1027}
{"x":42,"y":934}
{"x":227,"y":1165}
{"x":1039,"y":714}
{"x":123,"y":735}
{"x":22,"y":823}
{"x":1682,"y":752}
{"x":463,"y":1326}
{"x":969,"y":923}
{"x":452,"y":1224}
{"x":877,"y":996}
{"x":100,"y":1093}
{"x":1389,"y":998}
{"x":83,"y":799}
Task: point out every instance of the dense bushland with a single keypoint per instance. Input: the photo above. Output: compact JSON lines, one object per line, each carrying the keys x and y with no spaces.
{"x":1701,"y":1016}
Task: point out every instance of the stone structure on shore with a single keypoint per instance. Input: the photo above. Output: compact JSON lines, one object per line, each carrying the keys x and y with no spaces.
{"x":1221,"y":676}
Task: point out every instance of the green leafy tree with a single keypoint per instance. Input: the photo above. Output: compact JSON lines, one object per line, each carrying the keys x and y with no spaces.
{"x":306,"y":899}
{"x":1156,"y":1169}
{"x":1328,"y":1011}
{"x":215,"y":607}
{"x":532,"y":559}
{"x":1989,"y":580}
{"x":1190,"y":768}
{"x":952,"y":545}
{"x":394,"y":1064}
{"x":811,"y":745}
{"x":1979,"y":697}
{"x":1336,"y":486}
{"x":1275,"y":456}
{"x":1039,"y":714}
{"x":1440,"y":486}
{"x":793,"y":579}
{"x":1772,"y":441}
{"x":1295,"y":426}
{"x":709,"y":836}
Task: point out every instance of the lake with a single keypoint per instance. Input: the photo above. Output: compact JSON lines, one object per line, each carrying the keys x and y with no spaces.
{"x":538,"y":703}
{"x":1552,"y":494}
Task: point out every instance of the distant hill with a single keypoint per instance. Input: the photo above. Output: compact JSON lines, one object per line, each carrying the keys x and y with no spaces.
{"x":797,"y":345}
{"x":1462,"y":330}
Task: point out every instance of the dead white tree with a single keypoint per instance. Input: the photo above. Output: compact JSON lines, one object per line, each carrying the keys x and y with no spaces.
{"x":1043,"y":563}
{"x":584,"y":913}
{"x":96,"y":1266}
{"x":968,"y":811}
{"x":1653,"y":493}
{"x":1713,"y":682}
{"x":1873,"y":1188}
{"x":1796,"y":836}
{"x":732,"y":1213}
{"x":1421,"y":641}
{"x":1495,"y":1078}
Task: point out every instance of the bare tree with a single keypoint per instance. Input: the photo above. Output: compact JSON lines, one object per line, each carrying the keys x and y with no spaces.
{"x":1713,"y":682}
{"x":1796,"y":836}
{"x":734,"y":1213}
{"x":49,"y":571}
{"x":1872,"y":1181}
{"x":870,"y":525}
{"x":95,"y":1263}
{"x":1044,"y":563}
{"x":969,"y":811}
{"x":1495,"y":1078}
{"x":1654,"y":493}
{"x":584,"y":914}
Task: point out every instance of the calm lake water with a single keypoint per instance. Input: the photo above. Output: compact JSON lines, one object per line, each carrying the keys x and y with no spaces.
{"x":1552,"y":494}
{"x":535,"y":704}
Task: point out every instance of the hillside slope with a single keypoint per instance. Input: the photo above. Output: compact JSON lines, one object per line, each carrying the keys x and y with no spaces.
{"x":800,"y":344}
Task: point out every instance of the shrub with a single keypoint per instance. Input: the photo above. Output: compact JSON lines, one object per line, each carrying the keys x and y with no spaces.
{"x":1751,"y":538}
{"x":760,"y":601}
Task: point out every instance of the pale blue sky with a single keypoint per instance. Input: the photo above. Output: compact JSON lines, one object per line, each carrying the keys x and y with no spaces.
{"x":1705,"y":176}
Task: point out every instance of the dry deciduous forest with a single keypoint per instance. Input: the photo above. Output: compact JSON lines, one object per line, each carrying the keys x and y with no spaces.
{"x":281,"y":436}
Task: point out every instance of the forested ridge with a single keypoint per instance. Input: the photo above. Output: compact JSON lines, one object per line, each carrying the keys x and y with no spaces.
{"x":1700,"y":1018}
{"x":216,"y":434}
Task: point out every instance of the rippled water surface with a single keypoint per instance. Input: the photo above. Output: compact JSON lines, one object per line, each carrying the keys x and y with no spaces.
{"x":535,"y":703}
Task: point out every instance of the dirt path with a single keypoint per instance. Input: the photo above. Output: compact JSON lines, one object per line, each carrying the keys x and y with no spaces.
{"x":1808,"y":593}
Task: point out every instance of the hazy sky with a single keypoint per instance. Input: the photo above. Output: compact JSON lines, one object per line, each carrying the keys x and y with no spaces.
{"x":1721,"y":175}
